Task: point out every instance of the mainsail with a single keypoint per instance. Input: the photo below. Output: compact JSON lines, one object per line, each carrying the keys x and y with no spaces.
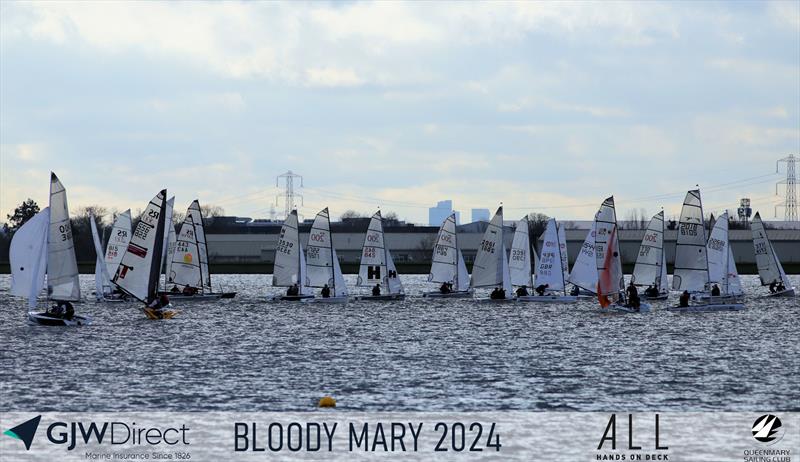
{"x":169,"y":239}
{"x":691,"y":259}
{"x":769,"y":267}
{"x":487,"y":270}
{"x":562,"y":248}
{"x":732,"y":282}
{"x":520,"y":261}
{"x":584,"y":271}
{"x":139,"y":271}
{"x":319,"y":252}
{"x":447,"y":261}
{"x":717,"y":251}
{"x":550,"y":270}
{"x":102,"y":281}
{"x":606,"y":247}
{"x":28,"y":257}
{"x":377,"y":266}
{"x":290,"y":260}
{"x":62,"y":268}
{"x":188,"y":265}
{"x":118,"y":242}
{"x":649,"y":268}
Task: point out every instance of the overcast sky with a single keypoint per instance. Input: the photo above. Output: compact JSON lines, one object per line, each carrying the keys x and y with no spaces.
{"x":547,"y":107}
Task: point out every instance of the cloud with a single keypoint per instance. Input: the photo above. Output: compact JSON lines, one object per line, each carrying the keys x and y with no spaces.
{"x":331,"y":77}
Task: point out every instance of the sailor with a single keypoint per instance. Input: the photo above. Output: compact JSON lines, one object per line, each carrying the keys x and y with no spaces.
{"x":541,"y":289}
{"x":175,"y":289}
{"x":632,"y":292}
{"x":780,"y":287}
{"x":446,"y":288}
{"x":575,"y":291}
{"x":772,"y":286}
{"x":69,"y":311}
{"x":189,"y":290}
{"x":58,"y":309}
{"x":326,"y":291}
{"x":495,"y":294}
{"x":522,"y":291}
{"x":683,"y":301}
{"x":293,"y":290}
{"x":651,"y":291}
{"x":158,"y":305}
{"x":376,"y":291}
{"x":715,"y":292}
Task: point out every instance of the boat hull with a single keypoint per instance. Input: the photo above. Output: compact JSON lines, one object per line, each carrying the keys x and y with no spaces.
{"x":195,"y":298}
{"x":784,"y":293}
{"x":437,"y":294}
{"x":381,"y":298}
{"x":708,"y":307}
{"x":44,"y":319}
{"x":658,"y":297}
{"x":326,"y":300}
{"x":166,"y":313}
{"x":643,"y":308}
{"x":291,"y":298}
{"x":548,"y":298}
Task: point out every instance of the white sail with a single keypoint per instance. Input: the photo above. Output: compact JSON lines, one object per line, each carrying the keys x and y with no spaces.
{"x":717,"y":251}
{"x":290,"y":261}
{"x":584,"y":271}
{"x":520,"y":268}
{"x":62,"y":267}
{"x":202,"y":247}
{"x":549,"y":270}
{"x":505,"y":272}
{"x":28,"y":257}
{"x":607,"y":250}
{"x":319,"y":252}
{"x":769,"y":267}
{"x":165,"y":247}
{"x":535,"y":263}
{"x":649,"y":261}
{"x":339,"y":285}
{"x":445,"y":264}
{"x":461,"y":282}
{"x":562,"y":247}
{"x":691,"y":262}
{"x":662,"y":282}
{"x":139,"y":271}
{"x":487,"y":270}
{"x":373,"y":268}
{"x":185,"y":263}
{"x":393,"y":283}
{"x":102,"y":281}
{"x":118,"y":242}
{"x":732,"y":284}
{"x":172,"y":244}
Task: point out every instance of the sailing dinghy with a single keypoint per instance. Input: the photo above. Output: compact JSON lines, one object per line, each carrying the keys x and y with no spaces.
{"x":770,"y":270}
{"x":44,"y":245}
{"x":611,"y":281}
{"x":187,"y":270}
{"x":139,"y":271}
{"x":322,"y":264}
{"x":290,"y":262}
{"x":691,"y":272}
{"x":104,"y":289}
{"x":550,"y":272}
{"x":491,"y":262}
{"x":447,"y":264}
{"x":377,"y":269}
{"x":584,"y":271}
{"x":651,"y":262}
{"x":519,"y":262}
{"x":720,"y":255}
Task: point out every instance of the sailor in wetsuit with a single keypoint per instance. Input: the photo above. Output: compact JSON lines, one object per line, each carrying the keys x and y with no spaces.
{"x":715,"y":292}
{"x":376,"y":291}
{"x":522,"y":291}
{"x":158,"y":305}
{"x":541,"y":289}
{"x":683,"y":301}
{"x":326,"y":291}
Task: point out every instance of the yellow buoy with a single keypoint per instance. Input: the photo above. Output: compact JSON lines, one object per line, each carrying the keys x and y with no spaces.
{"x":327,"y":401}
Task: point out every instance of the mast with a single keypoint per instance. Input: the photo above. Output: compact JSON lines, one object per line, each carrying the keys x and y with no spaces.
{"x":560,"y":261}
{"x":455,"y":243}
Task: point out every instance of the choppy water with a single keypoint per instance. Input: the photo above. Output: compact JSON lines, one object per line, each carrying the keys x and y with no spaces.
{"x":246,"y":354}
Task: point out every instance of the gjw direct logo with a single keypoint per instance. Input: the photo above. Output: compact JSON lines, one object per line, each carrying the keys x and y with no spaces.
{"x":768,"y":429}
{"x":72,"y":434}
{"x":25,"y":431}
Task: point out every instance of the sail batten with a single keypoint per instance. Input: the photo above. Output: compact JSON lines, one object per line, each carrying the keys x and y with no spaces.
{"x":691,"y":258}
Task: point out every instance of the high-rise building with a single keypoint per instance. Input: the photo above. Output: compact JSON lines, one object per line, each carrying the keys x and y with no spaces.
{"x":443,"y":209}
{"x":480,"y":215}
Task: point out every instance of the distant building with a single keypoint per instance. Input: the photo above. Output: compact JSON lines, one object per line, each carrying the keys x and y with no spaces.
{"x":443,"y":209}
{"x":480,"y":215}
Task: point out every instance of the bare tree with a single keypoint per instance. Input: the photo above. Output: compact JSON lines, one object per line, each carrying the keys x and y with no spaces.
{"x":211,"y":211}
{"x":537,"y":222}
{"x":349,"y":214}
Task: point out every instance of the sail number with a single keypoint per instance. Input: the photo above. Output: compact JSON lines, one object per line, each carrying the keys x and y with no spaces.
{"x":441,"y":250}
{"x":369,"y":252}
{"x":689,"y":229}
{"x":66,"y":232}
{"x":487,"y":246}
{"x":644,"y":251}
{"x":285,"y":247}
{"x":142,"y":229}
{"x":761,"y":248}
{"x":317,"y":237}
{"x":716,"y":244}
{"x":518,"y":255}
{"x":650,"y":237}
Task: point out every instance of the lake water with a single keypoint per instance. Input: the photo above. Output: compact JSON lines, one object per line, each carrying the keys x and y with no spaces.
{"x":246,"y":354}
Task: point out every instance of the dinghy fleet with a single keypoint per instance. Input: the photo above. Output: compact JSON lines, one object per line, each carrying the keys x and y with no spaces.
{"x":130,"y":266}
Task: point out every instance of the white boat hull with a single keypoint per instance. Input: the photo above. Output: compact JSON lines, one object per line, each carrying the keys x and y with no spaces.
{"x":658,"y":297}
{"x":193,"y":298}
{"x":44,"y":319}
{"x":548,"y":298}
{"x":437,"y":294}
{"x":290,"y":298}
{"x":494,"y":300}
{"x":643,"y":308}
{"x":708,"y":307}
{"x":380,"y":298}
{"x":326,"y":300}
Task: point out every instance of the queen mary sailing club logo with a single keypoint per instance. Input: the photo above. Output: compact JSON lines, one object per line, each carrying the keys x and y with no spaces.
{"x":768,"y":429}
{"x":25,"y":431}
